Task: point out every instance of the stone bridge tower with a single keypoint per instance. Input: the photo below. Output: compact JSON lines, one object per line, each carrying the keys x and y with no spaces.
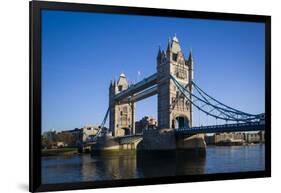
{"x":174,"y":111}
{"x":121,"y":117}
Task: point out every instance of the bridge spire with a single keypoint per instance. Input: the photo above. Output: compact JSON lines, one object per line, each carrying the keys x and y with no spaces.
{"x":169,"y":45}
{"x":175,"y":39}
{"x":175,"y":45}
{"x":159,"y":56}
{"x":159,"y":52}
{"x":190,"y":59}
{"x":122,"y":75}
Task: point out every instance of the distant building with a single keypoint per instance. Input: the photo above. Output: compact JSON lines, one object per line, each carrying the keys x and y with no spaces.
{"x":219,"y":137}
{"x":262,"y":137}
{"x":145,"y":123}
{"x":49,"y":135}
{"x":48,"y":139}
{"x":70,"y":137}
{"x":254,"y":137}
{"x":246,"y":137}
{"x":89,"y":132}
{"x":61,"y":144}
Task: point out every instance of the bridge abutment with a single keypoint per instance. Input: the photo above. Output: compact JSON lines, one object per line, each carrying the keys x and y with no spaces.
{"x":191,"y":142}
{"x":167,"y":139}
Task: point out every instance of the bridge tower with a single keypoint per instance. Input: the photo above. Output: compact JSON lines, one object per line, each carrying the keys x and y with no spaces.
{"x":121,"y":117}
{"x":174,"y":111}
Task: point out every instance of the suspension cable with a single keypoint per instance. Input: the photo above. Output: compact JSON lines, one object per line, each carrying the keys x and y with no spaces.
{"x":180,"y":87}
{"x":238,"y":111}
{"x":102,"y":124}
{"x":223,"y":109}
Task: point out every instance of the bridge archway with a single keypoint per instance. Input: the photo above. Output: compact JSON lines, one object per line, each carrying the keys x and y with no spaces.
{"x":180,"y":121}
{"x":126,"y":130}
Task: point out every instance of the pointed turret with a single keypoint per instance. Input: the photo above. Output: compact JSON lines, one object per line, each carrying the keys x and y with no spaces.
{"x":159,"y":56}
{"x":175,"y":45}
{"x":122,"y":75}
{"x":169,"y":45}
{"x":190,"y":64}
{"x":111,"y":83}
{"x":122,"y":83}
{"x":190,"y":60}
{"x":159,"y":52}
{"x":175,"y":39}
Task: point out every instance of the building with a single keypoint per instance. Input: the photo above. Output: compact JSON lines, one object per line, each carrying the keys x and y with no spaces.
{"x":262,"y":136}
{"x":145,"y":123}
{"x":221,"y":137}
{"x":48,"y":139}
{"x":246,"y":137}
{"x":49,"y":135}
{"x":61,"y":144}
{"x":88,"y":132}
{"x":254,"y":137}
{"x":70,"y":138}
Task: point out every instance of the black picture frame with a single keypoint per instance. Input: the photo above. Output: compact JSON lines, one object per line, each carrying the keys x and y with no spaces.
{"x":35,"y":8}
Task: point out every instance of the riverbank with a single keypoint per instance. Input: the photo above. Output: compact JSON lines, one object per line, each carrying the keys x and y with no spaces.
{"x":59,"y":151}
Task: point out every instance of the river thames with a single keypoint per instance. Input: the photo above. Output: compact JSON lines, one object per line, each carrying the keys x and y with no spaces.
{"x":218,"y":159}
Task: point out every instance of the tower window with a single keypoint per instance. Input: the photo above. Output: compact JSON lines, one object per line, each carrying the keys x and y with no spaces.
{"x":175,"y":56}
{"x":120,"y":88}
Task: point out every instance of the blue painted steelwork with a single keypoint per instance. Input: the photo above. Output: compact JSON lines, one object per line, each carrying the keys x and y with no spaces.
{"x":245,"y":121}
{"x":101,"y":130}
{"x":219,"y":110}
{"x":240,"y":127}
{"x":140,"y":86}
{"x":218,"y":102}
{"x":140,"y":95}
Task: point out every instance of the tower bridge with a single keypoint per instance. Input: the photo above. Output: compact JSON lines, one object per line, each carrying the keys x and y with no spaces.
{"x":173,"y":110}
{"x":177,"y":95}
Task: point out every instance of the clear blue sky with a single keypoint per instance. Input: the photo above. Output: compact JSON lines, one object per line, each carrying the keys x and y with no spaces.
{"x":82,"y":52}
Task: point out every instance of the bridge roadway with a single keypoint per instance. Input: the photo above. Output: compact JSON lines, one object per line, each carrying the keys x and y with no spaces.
{"x":240,"y":127}
{"x":138,"y":87}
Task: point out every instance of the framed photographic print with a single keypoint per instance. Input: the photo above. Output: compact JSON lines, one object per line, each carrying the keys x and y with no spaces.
{"x":125,"y":96}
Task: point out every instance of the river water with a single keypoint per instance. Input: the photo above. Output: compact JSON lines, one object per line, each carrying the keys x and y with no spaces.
{"x":218,"y":159}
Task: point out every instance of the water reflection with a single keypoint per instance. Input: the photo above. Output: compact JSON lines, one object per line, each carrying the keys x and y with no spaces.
{"x":107,"y":167}
{"x":157,"y":164}
{"x":141,"y":164}
{"x":85,"y":167}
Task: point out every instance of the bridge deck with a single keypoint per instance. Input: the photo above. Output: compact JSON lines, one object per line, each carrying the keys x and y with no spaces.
{"x":240,"y":127}
{"x":142,"y":85}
